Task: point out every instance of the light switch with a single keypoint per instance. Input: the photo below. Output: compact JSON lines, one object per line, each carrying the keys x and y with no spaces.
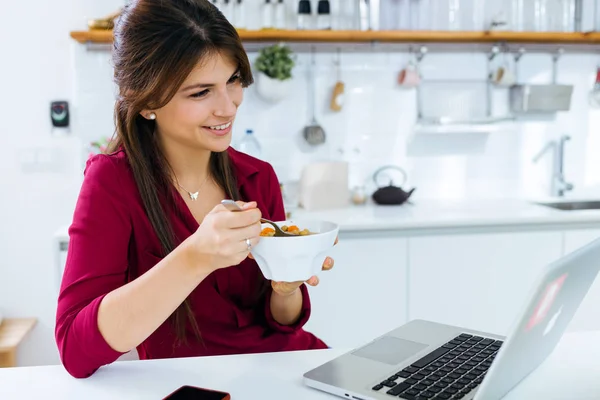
{"x":39,"y":160}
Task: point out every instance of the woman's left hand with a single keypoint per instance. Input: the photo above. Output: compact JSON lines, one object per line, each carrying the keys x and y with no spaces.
{"x":288,"y":288}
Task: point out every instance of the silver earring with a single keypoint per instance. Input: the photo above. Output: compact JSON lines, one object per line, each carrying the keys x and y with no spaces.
{"x":152,"y":116}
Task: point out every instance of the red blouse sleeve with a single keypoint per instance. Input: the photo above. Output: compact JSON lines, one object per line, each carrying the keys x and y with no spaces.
{"x":96,"y":265}
{"x":277,"y":213}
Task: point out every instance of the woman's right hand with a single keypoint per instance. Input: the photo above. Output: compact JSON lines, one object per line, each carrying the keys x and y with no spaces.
{"x":221,"y":238}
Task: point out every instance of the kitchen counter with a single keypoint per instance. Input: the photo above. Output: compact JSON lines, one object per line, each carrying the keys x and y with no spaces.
{"x":452,"y":214}
{"x":444,"y":214}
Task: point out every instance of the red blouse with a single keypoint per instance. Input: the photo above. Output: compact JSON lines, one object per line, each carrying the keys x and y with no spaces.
{"x":112,"y":242}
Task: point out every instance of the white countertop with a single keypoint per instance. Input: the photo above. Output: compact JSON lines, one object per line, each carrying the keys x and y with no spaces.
{"x":443,"y":214}
{"x":571,"y":372}
{"x":435,"y":214}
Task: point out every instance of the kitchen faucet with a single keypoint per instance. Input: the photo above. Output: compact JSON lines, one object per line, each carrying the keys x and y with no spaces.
{"x":559,"y":185}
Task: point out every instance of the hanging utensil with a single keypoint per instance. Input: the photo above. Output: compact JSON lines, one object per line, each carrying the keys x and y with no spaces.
{"x":314,"y":134}
{"x":337,"y":98}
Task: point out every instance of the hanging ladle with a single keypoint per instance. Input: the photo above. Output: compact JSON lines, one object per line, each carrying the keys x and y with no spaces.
{"x":313,"y":133}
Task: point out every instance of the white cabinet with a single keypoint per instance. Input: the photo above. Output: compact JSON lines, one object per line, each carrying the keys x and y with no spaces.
{"x":364,"y":295}
{"x":588,"y":314}
{"x":479,"y":281}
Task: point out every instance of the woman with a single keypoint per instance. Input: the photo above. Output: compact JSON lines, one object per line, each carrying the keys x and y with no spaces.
{"x":155,"y":262}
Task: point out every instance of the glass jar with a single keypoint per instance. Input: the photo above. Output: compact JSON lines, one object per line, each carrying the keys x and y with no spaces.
{"x":561,"y":15}
{"x":535,"y":16}
{"x":359,"y":195}
{"x":453,"y":15}
{"x":517,"y":15}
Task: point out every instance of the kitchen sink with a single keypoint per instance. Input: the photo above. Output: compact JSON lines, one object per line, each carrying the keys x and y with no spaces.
{"x":573,"y":205}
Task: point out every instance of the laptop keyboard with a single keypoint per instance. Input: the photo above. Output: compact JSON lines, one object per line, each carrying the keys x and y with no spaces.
{"x":449,"y":372}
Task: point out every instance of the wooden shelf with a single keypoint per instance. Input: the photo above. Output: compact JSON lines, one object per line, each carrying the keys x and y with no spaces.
{"x":100,"y":36}
{"x":12,"y":333}
{"x":96,"y":36}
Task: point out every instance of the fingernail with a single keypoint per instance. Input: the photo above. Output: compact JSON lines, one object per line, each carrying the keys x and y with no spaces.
{"x":329,"y":261}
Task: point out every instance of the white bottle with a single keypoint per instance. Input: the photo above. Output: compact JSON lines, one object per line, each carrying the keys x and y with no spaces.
{"x":226,"y":9}
{"x":364,"y":15}
{"x":250,"y":145}
{"x":267,"y":14}
{"x":323,"y":15}
{"x":239,"y":14}
{"x":280,"y":15}
{"x":304,"y":15}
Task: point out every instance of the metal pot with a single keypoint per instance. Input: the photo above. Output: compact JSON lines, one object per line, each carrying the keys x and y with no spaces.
{"x":390,"y":194}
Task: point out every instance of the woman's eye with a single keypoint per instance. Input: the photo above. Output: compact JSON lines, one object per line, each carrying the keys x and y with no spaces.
{"x":200,"y":94}
{"x":234,"y":79}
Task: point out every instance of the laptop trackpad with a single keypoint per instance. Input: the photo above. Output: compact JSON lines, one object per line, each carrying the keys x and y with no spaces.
{"x":390,"y":350}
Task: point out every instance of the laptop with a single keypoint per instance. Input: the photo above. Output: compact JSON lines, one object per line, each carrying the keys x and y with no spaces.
{"x":427,"y":360}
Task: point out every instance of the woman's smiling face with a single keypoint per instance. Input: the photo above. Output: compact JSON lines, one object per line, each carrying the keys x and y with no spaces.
{"x":201,"y":113}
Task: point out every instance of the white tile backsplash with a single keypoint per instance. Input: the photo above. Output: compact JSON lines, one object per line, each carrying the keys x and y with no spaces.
{"x":376,"y":125}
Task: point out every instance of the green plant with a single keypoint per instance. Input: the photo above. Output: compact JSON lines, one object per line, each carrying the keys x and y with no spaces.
{"x":99,"y":146}
{"x":276,"y":62}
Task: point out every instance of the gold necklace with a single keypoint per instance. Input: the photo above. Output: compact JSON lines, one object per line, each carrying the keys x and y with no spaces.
{"x":193,"y":195}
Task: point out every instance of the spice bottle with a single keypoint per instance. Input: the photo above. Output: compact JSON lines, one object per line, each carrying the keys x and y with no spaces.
{"x":323,"y":15}
{"x":304,"y":14}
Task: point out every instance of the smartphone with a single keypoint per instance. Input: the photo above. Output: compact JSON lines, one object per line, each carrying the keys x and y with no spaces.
{"x":196,"y":393}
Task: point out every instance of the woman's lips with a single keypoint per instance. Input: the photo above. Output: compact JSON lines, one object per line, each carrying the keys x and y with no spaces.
{"x":219,"y":130}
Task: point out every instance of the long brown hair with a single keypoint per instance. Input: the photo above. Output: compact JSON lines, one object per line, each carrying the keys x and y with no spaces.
{"x":157,"y":44}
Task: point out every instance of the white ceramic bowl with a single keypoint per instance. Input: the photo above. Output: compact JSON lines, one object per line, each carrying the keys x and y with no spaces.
{"x":291,"y":259}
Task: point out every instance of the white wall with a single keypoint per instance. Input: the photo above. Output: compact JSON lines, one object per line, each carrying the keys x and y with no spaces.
{"x":378,"y":120}
{"x":36,"y":68}
{"x":41,"y":63}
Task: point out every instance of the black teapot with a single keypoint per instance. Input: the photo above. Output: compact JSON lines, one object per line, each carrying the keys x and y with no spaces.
{"x":390,"y":195}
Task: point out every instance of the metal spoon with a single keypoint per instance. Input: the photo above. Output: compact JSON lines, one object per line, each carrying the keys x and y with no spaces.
{"x":233,"y":206}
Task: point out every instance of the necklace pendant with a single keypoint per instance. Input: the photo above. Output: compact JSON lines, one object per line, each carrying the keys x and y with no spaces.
{"x":193,"y":196}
